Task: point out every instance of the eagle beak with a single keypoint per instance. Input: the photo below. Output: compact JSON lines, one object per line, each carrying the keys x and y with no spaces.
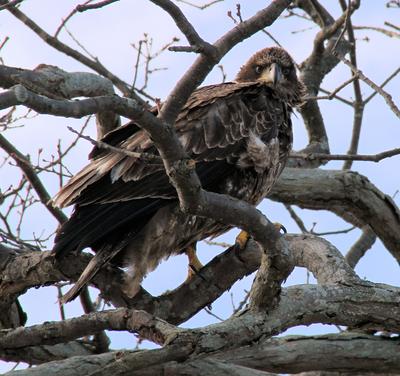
{"x":272,"y":74}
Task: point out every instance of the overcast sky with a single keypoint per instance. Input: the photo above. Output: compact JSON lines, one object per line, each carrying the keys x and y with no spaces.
{"x":108,"y":34}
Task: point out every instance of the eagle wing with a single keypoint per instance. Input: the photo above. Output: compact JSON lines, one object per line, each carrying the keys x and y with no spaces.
{"x":213,"y":126}
{"x":115,"y":194}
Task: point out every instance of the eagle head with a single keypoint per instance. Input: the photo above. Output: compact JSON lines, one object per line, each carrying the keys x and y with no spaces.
{"x":274,"y":67}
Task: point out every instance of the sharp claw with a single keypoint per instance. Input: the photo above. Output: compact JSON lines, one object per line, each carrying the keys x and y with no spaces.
{"x":281,"y":228}
{"x":242,"y":239}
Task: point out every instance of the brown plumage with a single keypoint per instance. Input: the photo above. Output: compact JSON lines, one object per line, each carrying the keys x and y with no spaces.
{"x":239,"y":133}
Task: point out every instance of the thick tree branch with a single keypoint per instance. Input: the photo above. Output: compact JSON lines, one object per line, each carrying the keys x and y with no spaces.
{"x":20,"y":272}
{"x":363,"y":304}
{"x":282,"y":355}
{"x":34,"y":355}
{"x":343,"y":292}
{"x":55,"y":83}
{"x":50,"y":333}
{"x":347,"y":194}
{"x":60,"y":46}
{"x":336,"y":352}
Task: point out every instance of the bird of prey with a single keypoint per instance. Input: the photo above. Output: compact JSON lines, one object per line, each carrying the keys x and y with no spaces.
{"x":238,"y":133}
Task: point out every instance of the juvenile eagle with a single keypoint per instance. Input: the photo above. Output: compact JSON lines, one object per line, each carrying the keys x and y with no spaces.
{"x":239,"y":133}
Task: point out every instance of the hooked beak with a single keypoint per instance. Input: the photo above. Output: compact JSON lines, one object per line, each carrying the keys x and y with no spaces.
{"x":272,"y":74}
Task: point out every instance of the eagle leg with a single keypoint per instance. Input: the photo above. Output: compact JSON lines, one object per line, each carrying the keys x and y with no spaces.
{"x":194,"y":263}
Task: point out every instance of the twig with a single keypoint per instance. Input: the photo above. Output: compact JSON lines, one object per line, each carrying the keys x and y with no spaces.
{"x":31,"y":175}
{"x":211,"y":313}
{"x":348,"y":157}
{"x":266,"y":32}
{"x":392,"y":26}
{"x":358,"y":105}
{"x":127,"y":153}
{"x":66,"y":19}
{"x":100,"y":4}
{"x":219,"y":244}
{"x":297,"y":219}
{"x":390,"y":34}
{"x":341,"y":99}
{"x":336,"y":232}
{"x":201,"y":7}
{"x":386,"y":96}
{"x":10,"y":4}
{"x":346,"y":25}
{"x":5,"y":40}
{"x":242,"y":303}
{"x":185,"y":27}
{"x":332,"y":94}
{"x":384,"y":83}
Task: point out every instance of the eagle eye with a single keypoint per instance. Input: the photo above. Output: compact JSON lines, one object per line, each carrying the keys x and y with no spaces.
{"x":286,"y":71}
{"x":258,"y":69}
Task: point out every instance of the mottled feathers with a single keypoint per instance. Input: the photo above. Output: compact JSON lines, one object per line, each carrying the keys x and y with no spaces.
{"x":239,"y":134}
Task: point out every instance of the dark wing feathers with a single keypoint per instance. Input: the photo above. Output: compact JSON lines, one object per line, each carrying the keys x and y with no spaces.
{"x":213,"y":127}
{"x":86,"y":224}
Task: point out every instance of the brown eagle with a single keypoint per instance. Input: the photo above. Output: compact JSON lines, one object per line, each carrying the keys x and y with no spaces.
{"x":239,"y":134}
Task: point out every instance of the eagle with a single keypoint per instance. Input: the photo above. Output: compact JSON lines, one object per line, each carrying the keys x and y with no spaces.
{"x":239,"y":134}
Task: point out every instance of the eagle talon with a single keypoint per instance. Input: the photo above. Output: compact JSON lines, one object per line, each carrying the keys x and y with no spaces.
{"x":242,"y":239}
{"x":281,"y":228}
{"x":194,"y":263}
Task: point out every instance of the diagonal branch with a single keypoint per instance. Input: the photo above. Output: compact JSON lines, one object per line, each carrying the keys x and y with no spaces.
{"x":50,"y":333}
{"x":30,"y":173}
{"x":386,"y":96}
{"x":185,"y":27}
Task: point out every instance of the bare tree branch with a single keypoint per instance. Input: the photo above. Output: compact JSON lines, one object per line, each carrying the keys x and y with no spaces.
{"x":386,"y":96}
{"x":33,"y":178}
{"x":348,"y":194}
{"x":347,"y":157}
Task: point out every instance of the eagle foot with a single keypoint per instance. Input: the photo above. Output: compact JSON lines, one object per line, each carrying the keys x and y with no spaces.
{"x":243,"y":237}
{"x":194,"y":263}
{"x":281,"y":228}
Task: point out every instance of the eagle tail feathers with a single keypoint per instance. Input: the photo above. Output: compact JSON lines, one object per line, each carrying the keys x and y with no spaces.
{"x":102,"y":257}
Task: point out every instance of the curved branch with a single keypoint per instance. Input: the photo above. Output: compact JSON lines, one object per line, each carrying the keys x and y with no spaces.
{"x":348,"y":194}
